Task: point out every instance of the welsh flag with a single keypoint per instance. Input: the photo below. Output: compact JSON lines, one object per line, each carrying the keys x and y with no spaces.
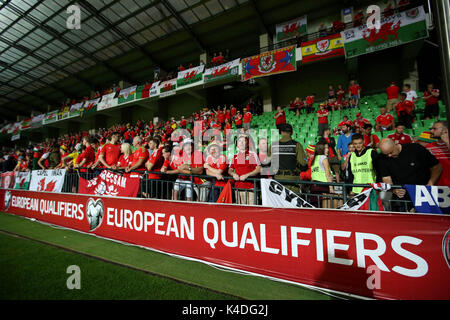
{"x":51,"y":117}
{"x":22,"y":180}
{"x":37,"y":120}
{"x":127,"y":95}
{"x":5,"y":128}
{"x":26,"y":124}
{"x":89,"y":106}
{"x":190,"y":76}
{"x":290,"y":29}
{"x":166,"y":86}
{"x":75,"y":109}
{"x":268,"y":63}
{"x":148,"y":90}
{"x":226,"y":70}
{"x":395,"y":30}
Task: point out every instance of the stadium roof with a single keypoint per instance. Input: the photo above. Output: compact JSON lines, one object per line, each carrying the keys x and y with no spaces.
{"x":43,"y":63}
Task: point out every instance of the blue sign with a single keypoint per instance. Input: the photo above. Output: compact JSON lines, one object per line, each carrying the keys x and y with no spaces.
{"x":430,"y":199}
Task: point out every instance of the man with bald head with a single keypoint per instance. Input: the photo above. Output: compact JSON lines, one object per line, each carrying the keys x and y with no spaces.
{"x":407,"y":164}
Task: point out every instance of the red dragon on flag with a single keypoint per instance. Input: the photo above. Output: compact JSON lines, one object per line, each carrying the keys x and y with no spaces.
{"x":389,"y":29}
{"x":49,"y":187}
{"x":219,"y":72}
{"x":190,"y":75}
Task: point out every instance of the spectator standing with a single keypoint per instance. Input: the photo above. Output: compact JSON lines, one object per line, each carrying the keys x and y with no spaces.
{"x":140,"y":156}
{"x":280,"y":117}
{"x":354,"y":92}
{"x":290,"y":155}
{"x":247,"y":119}
{"x":431,"y":98}
{"x":320,"y":172}
{"x":243,"y":165}
{"x":370,"y":140}
{"x":405,"y":110}
{"x":392,"y":96}
{"x":322,"y":117}
{"x":216,"y":167}
{"x":411,"y":95}
{"x":362,"y":164}
{"x":344,"y":139}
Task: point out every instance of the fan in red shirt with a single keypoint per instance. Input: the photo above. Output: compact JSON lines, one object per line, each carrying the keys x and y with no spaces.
{"x":126,"y":157}
{"x":398,"y":136}
{"x":238,"y":120}
{"x":359,"y":122}
{"x":392,"y":96}
{"x":309,"y":103}
{"x":247,"y":119}
{"x":215,"y":166}
{"x":243,"y":165}
{"x":384,"y":121}
{"x":155,"y":163}
{"x":370,"y":140}
{"x":404,"y":111}
{"x":440,"y":149}
{"x":431,"y":98}
{"x":280,"y":117}
{"x":87,"y":157}
{"x":140,"y":156}
{"x":322,"y":116}
{"x":354,"y":91}
{"x":110,"y":152}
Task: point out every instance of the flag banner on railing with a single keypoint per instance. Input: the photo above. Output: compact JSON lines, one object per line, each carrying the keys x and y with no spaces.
{"x":430,"y":199}
{"x":47,"y":180}
{"x":26,"y":124}
{"x":7,"y":180}
{"x":22,"y":180}
{"x":167,"y":88}
{"x":371,"y":254}
{"x":127,"y":95}
{"x":108,"y":101}
{"x":89,"y":106}
{"x":269,"y":63}
{"x":15,"y":137}
{"x":224,"y":71}
{"x":75,"y":109}
{"x":109,"y":183}
{"x":395,"y":30}
{"x":322,"y":48}
{"x":148,"y":90}
{"x":50,"y":117}
{"x":290,"y":29}
{"x":14,"y":128}
{"x":63,"y":115}
{"x":190,"y":77}
{"x":37,"y":120}
{"x":368,"y":199}
{"x":274,"y":194}
{"x":5,"y":128}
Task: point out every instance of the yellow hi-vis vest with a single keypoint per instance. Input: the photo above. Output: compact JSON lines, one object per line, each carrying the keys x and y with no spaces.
{"x":317,"y":174}
{"x":362,"y":170}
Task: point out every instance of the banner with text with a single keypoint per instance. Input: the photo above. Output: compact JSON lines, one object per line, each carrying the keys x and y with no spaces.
{"x":269,"y":63}
{"x":167,"y":88}
{"x":274,"y":194}
{"x":430,"y":199}
{"x":111,"y":184}
{"x":224,"y":71}
{"x":395,"y":30}
{"x":7,"y":180}
{"x":47,"y":180}
{"x":408,"y":254}
{"x":50,"y":117}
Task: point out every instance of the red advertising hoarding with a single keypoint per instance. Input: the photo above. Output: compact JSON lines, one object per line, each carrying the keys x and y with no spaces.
{"x":342,"y":251}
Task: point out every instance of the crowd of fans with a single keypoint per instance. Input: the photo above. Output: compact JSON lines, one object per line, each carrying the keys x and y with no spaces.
{"x":349,"y":153}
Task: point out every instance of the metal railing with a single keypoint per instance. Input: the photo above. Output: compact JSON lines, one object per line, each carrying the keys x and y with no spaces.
{"x":312,"y":192}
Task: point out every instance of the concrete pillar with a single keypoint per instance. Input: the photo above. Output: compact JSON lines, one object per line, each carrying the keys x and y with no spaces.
{"x":203,"y":58}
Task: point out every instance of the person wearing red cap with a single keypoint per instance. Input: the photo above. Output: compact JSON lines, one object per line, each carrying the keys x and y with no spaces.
{"x":392,"y":96}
